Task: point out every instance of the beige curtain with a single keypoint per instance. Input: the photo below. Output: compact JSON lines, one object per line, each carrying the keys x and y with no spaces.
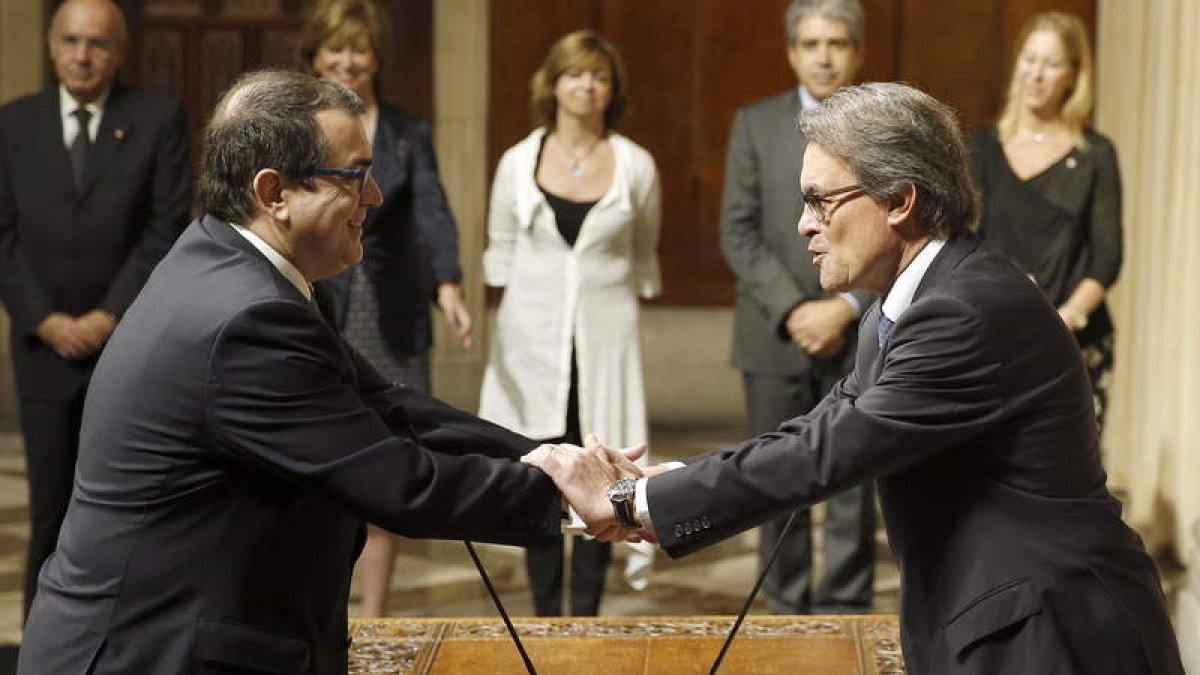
{"x":1148,"y":66}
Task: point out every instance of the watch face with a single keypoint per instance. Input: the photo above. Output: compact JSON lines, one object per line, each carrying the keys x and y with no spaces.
{"x":622,"y":490}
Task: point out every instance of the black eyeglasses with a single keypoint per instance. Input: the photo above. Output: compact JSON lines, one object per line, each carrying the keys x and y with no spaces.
{"x":363,"y":175}
{"x":816,"y":201}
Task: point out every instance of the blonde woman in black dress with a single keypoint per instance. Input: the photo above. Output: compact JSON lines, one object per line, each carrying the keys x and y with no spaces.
{"x":1051,"y":187}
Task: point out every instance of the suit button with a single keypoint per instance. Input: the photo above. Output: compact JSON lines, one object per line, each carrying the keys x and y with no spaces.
{"x":678,"y":530}
{"x":704,"y":523}
{"x":687,"y":528}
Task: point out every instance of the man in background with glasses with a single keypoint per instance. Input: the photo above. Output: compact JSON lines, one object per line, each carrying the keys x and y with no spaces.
{"x":792,"y":340}
{"x":233,"y":444}
{"x":95,"y":185}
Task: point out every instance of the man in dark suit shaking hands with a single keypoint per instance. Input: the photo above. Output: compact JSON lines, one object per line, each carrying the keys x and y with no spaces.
{"x":95,"y":185}
{"x":968,"y":403}
{"x":233,"y":444}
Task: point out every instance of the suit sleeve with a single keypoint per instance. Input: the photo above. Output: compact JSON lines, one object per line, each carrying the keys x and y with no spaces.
{"x":434,"y":219}
{"x":166,"y":214}
{"x":938,"y":386}
{"x":646,"y":228}
{"x":23,"y":295}
{"x":1104,"y":224}
{"x":438,"y":426}
{"x":502,"y":225}
{"x":283,"y":399}
{"x":743,"y":240}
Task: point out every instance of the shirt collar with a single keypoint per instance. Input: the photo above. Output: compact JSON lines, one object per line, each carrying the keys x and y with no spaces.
{"x":68,"y":104}
{"x":901,"y":295}
{"x":807,"y":102}
{"x":286,"y":268}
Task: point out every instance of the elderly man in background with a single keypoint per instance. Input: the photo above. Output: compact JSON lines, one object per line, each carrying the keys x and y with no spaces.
{"x":95,"y":185}
{"x":968,"y":404}
{"x":792,"y":340}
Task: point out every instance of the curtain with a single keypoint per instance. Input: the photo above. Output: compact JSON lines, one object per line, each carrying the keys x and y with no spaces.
{"x":1148,"y":74}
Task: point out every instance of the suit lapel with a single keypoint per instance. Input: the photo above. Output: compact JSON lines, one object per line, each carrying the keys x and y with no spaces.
{"x":50,"y":154}
{"x":116,"y":126}
{"x":789,"y":111}
{"x":390,"y":164}
{"x":947,"y":259}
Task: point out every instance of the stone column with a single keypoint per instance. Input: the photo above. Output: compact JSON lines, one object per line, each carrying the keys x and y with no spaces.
{"x":460,"y":94}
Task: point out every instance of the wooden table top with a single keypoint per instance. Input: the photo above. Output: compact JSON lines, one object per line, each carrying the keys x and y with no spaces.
{"x":673,"y":645}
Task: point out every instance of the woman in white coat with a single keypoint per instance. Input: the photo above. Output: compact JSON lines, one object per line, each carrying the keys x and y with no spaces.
{"x":572,"y":236}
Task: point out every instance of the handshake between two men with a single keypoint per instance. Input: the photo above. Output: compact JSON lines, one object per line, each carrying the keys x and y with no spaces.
{"x":600,"y":484}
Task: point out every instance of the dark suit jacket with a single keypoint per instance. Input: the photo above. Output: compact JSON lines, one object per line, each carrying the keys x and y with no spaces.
{"x":232,"y":444}
{"x":976,"y":419}
{"x":410,"y":241}
{"x":74,"y":250}
{"x":759,"y":211}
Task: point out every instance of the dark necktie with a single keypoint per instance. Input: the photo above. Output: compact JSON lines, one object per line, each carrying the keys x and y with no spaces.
{"x":885,"y":329}
{"x":81,"y":145}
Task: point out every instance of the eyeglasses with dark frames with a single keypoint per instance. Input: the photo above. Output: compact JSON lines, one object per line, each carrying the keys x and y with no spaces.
{"x":362,"y":175}
{"x":816,"y":201}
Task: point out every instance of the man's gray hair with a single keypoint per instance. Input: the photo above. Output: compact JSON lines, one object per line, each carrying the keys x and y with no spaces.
{"x":892,"y":136}
{"x":265,"y":120}
{"x":849,"y":12}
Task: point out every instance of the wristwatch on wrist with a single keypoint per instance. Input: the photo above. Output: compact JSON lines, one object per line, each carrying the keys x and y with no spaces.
{"x":621,"y":494}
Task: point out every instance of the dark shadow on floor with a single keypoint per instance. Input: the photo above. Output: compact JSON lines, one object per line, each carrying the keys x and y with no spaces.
{"x":8,"y":659}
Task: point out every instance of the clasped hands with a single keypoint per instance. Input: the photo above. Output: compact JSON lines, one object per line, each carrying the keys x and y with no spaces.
{"x":583,"y":475}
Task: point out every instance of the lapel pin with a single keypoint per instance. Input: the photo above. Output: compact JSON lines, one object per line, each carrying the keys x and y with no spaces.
{"x":119,"y":134}
{"x":1071,"y":163}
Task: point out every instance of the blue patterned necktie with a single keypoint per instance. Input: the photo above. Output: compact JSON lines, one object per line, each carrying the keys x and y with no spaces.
{"x":885,"y":329}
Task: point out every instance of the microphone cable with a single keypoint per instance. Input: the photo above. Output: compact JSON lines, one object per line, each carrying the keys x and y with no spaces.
{"x":487,"y":581}
{"x":787,"y":529}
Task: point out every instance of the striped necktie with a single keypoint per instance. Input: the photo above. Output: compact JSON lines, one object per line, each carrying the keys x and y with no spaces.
{"x":885,"y":329}
{"x":78,"y":151}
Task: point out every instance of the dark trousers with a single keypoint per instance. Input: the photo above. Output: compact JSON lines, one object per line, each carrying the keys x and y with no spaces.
{"x":51,"y":433}
{"x":849,"y":525}
{"x":589,"y":558}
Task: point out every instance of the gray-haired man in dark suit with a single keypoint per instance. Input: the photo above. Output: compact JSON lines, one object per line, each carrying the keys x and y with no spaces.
{"x":95,"y":185}
{"x":792,"y":340}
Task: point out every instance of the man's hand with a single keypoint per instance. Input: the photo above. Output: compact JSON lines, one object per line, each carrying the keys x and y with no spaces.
{"x":63,"y":334}
{"x":450,"y":299}
{"x":817,"y":325}
{"x":96,"y":326}
{"x":584,"y":475}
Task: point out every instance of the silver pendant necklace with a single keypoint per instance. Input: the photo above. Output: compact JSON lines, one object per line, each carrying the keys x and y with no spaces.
{"x":576,"y":160}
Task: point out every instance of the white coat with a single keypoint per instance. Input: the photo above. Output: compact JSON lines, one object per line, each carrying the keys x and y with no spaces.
{"x":557,"y":295}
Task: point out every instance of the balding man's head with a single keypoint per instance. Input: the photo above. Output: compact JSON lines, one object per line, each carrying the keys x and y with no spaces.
{"x":88,"y":41}
{"x":266,"y":120}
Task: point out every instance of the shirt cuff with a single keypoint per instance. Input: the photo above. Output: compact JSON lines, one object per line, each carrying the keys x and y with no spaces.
{"x":641,"y":503}
{"x":571,"y":523}
{"x":855,"y":305}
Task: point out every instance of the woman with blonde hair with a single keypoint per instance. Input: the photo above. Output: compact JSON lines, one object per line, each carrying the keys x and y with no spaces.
{"x":572,"y":236}
{"x":1051,"y":186}
{"x":410,"y":241}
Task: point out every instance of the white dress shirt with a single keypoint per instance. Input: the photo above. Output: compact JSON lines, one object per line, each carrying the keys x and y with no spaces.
{"x":285,"y":267}
{"x":67,"y":105}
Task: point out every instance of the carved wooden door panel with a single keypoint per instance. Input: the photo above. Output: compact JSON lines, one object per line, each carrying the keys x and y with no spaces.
{"x":195,"y":49}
